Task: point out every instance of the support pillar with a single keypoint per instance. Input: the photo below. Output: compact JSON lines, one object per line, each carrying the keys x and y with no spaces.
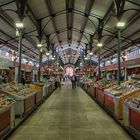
{"x":40,"y":65}
{"x":119,"y":60}
{"x":20,"y":56}
{"x":99,"y":75}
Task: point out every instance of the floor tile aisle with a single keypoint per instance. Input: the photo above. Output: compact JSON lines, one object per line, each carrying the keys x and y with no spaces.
{"x":70,"y":115}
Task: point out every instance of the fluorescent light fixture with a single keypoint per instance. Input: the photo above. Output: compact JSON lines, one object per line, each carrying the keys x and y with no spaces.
{"x":91,"y":53}
{"x":39,"y":45}
{"x":100,"y":45}
{"x":19,"y":25}
{"x":81,"y":64}
{"x":13,"y":58}
{"x":47,"y":53}
{"x":41,"y":50}
{"x":86,"y":58}
{"x":120,"y":24}
{"x":17,"y":33}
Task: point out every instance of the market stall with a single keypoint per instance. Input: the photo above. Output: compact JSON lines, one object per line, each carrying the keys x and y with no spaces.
{"x":25,"y":96}
{"x":7,"y":116}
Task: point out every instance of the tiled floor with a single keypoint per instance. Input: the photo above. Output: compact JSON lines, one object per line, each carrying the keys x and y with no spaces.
{"x":70,"y":115}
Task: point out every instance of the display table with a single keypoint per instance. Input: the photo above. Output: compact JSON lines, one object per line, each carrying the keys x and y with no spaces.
{"x":134,"y":117}
{"x":100,"y":96}
{"x":109,"y":102}
{"x":38,"y":96}
{"x":29,"y":102}
{"x":126,"y":114}
{"x":5,"y":119}
{"x":23,"y":104}
{"x":93,"y":92}
{"x":46,"y":90}
{"x":88,"y":88}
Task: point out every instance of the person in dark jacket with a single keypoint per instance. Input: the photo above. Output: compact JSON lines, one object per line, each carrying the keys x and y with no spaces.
{"x":73,"y":81}
{"x":23,"y":81}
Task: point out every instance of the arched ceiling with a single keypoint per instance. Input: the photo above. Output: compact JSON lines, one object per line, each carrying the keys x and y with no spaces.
{"x":69,"y":22}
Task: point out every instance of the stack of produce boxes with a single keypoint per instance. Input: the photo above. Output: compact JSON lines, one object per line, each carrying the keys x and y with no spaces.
{"x":7,"y":116}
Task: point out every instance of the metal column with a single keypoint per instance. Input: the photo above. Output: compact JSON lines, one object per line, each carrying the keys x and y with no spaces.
{"x":119,"y":55}
{"x":99,"y":75}
{"x":40,"y":65}
{"x":20,"y":56}
{"x":90,"y":66}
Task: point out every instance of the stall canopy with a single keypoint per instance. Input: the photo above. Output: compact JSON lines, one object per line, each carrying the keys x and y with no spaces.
{"x":69,"y":25}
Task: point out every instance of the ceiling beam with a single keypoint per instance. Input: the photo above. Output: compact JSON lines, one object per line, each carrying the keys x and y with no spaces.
{"x":17,"y":42}
{"x":122,"y":48}
{"x":6,"y":3}
{"x":5,"y":17}
{"x":88,"y":8}
{"x":130,"y":22}
{"x":137,"y":4}
{"x":108,"y":14}
{"x":13,"y":47}
{"x":69,"y":19}
{"x":50,"y":9}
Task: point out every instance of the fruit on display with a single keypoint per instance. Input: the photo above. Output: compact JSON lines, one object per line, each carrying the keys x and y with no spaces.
{"x":129,"y":83}
{"x":136,"y":102}
{"x":5,"y":101}
{"x":137,"y":85}
{"x":125,"y":88}
{"x":87,"y":81}
{"x":102,"y":84}
{"x":111,"y":88}
{"x":19,"y":89}
{"x":35,"y":87}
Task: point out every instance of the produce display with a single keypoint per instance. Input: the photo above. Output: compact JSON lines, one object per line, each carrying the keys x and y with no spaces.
{"x":102,"y":84}
{"x":110,"y":89}
{"x":85,"y":80}
{"x":36,"y":87}
{"x":129,"y":83}
{"x":135,"y":101}
{"x":17,"y":100}
{"x":19,"y":89}
{"x":5,"y":101}
{"x":123,"y":101}
{"x":125,"y":88}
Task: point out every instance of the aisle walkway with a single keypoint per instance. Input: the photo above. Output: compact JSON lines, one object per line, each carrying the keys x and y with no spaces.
{"x":69,"y":115}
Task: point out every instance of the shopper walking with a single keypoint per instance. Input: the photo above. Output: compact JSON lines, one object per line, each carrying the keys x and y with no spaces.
{"x":73,"y":81}
{"x":23,"y":81}
{"x":58,"y":81}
